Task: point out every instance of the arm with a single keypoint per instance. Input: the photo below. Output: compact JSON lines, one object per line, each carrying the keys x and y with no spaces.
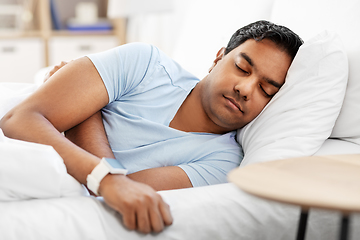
{"x":72,"y":95}
{"x":163,"y":178}
{"x":90,"y":135}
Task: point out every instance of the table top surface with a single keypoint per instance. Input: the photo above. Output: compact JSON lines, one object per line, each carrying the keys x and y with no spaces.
{"x":328,"y":182}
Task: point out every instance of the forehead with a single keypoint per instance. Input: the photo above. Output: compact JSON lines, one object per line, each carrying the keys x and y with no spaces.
{"x":254,"y":46}
{"x":265,"y":58}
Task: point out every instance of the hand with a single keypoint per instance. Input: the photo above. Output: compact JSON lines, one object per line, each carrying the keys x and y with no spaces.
{"x":141,"y":207}
{"x":54,"y":70}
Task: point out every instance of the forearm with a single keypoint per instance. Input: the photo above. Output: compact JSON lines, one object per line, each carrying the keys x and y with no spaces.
{"x":90,"y":135}
{"x":163,"y":178}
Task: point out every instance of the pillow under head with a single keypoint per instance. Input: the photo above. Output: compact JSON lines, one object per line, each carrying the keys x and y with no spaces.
{"x":301,"y":116}
{"x":308,"y":17}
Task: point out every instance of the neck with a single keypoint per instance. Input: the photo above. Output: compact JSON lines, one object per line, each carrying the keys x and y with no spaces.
{"x":191,"y":116}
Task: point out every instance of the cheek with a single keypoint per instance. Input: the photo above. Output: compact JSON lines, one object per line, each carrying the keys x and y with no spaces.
{"x":259,"y":105}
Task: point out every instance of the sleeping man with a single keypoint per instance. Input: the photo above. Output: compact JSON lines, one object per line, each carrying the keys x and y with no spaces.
{"x":168,"y":129}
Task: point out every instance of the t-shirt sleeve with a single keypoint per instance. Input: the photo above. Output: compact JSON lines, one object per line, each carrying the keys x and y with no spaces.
{"x":214,"y":167}
{"x":123,"y":68}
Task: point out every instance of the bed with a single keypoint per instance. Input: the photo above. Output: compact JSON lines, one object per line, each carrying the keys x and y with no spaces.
{"x":316,"y":112}
{"x":64,"y":211}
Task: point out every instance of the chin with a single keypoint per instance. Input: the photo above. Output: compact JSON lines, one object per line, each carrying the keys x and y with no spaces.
{"x":232,"y":127}
{"x":233,"y":123}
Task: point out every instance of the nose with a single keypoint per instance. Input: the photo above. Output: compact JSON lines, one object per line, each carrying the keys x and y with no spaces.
{"x":245,"y":88}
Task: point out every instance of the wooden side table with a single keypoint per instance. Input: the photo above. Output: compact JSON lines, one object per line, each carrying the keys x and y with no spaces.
{"x":326,"y":182}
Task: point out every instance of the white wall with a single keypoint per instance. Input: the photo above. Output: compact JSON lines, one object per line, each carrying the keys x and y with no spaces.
{"x":194,"y":32}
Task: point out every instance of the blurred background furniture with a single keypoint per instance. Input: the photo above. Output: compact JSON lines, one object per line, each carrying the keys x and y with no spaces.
{"x":41,"y":37}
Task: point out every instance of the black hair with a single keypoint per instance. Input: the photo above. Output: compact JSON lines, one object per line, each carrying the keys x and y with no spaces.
{"x":282,"y":36}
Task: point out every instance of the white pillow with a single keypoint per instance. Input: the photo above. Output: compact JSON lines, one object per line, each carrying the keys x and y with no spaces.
{"x":308,"y":17}
{"x":30,"y":170}
{"x":11,"y":94}
{"x":302,"y":114}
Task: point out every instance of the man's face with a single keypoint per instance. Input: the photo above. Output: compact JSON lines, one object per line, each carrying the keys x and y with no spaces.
{"x":242,"y":82}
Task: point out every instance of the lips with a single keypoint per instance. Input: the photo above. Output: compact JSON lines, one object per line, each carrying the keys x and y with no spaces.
{"x":234,"y":103}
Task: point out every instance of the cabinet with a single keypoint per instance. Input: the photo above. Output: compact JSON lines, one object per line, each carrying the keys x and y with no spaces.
{"x":23,"y":53}
{"x":20,"y":58}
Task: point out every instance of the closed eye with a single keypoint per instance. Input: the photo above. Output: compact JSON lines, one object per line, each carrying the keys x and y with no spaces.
{"x":241,"y":69}
{"x":267,"y":95}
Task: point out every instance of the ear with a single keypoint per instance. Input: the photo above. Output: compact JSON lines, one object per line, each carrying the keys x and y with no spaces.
{"x":219,"y":56}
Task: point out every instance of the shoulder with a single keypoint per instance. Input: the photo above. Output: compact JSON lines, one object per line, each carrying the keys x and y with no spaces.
{"x":133,"y":55}
{"x":136,"y":50}
{"x":126,"y":54}
{"x":159,"y":66}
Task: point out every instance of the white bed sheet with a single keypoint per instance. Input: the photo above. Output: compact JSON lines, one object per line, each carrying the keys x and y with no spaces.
{"x":214,"y":212}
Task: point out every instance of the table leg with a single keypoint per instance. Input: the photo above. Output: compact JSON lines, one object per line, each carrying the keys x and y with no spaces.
{"x":302,"y":224}
{"x":344,"y":227}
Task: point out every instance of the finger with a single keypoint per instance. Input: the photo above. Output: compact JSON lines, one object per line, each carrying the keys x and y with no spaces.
{"x":165,"y":213}
{"x":56,"y":68}
{"x":63,"y":63}
{"x":129,"y":219}
{"x":53,"y":70}
{"x":47,"y":76}
{"x":50,"y":73}
{"x":157,"y":222}
{"x":142,"y":219}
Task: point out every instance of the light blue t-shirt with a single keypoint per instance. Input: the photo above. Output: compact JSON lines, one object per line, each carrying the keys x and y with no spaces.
{"x":146,"y":88}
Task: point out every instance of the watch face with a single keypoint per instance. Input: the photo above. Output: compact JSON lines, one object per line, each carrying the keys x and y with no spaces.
{"x":114,"y":163}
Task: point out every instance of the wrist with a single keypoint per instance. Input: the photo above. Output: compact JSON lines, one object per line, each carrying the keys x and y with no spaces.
{"x":110,"y":180}
{"x":103,"y":169}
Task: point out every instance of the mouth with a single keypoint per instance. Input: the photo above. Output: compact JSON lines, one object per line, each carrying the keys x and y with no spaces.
{"x":234,"y":104}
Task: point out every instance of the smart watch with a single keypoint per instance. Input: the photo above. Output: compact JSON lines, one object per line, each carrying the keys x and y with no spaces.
{"x":106,"y":166}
